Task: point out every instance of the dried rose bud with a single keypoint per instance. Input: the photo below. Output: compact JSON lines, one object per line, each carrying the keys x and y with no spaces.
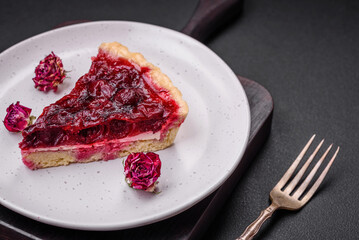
{"x":17,"y":117}
{"x":143,"y":170}
{"x":49,"y":73}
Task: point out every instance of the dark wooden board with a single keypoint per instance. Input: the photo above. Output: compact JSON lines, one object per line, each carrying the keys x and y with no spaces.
{"x":209,"y":16}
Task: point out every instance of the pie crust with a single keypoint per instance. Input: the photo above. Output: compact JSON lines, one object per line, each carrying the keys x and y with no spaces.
{"x":63,"y":154}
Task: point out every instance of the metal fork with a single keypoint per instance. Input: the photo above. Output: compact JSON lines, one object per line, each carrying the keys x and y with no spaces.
{"x":283,"y":198}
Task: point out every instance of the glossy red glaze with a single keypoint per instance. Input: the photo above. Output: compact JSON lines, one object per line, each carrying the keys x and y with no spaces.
{"x":114,"y":100}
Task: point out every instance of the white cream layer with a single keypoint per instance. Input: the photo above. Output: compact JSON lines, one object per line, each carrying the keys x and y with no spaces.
{"x":142,"y":136}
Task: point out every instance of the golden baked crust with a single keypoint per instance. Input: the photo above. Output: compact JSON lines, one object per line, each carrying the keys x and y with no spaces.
{"x":116,"y":49}
{"x":45,"y":159}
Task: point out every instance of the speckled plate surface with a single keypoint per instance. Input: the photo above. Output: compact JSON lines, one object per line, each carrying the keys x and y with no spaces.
{"x":94,"y":196}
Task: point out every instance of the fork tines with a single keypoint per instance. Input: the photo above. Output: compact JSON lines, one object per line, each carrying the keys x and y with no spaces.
{"x":293,"y":183}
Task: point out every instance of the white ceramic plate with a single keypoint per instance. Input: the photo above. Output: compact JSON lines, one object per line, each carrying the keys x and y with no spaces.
{"x":94,"y":196}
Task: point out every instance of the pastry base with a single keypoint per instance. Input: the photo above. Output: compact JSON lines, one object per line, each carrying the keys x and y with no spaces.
{"x":44,"y":159}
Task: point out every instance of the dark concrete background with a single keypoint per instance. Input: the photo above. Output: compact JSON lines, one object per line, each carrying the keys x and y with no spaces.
{"x":306,"y":53}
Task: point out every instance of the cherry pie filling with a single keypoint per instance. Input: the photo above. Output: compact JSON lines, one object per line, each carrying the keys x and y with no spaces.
{"x":114,"y":100}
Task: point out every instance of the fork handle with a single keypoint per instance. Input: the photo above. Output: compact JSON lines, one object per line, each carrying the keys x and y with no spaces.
{"x":254,"y":227}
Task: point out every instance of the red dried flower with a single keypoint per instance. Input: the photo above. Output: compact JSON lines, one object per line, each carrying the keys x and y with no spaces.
{"x":49,"y":73}
{"x":143,"y":170}
{"x":17,"y":117}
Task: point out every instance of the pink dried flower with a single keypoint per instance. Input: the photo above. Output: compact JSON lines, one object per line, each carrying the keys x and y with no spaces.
{"x":17,"y":117}
{"x":49,"y":73}
{"x":143,"y":170}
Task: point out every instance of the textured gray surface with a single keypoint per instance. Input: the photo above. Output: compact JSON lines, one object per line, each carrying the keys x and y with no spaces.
{"x":305,"y":53}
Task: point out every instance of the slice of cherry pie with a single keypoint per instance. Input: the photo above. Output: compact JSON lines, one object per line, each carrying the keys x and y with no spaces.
{"x":123,"y":104}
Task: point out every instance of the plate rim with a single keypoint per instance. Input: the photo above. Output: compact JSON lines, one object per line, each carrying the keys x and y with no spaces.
{"x":166,"y":214}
